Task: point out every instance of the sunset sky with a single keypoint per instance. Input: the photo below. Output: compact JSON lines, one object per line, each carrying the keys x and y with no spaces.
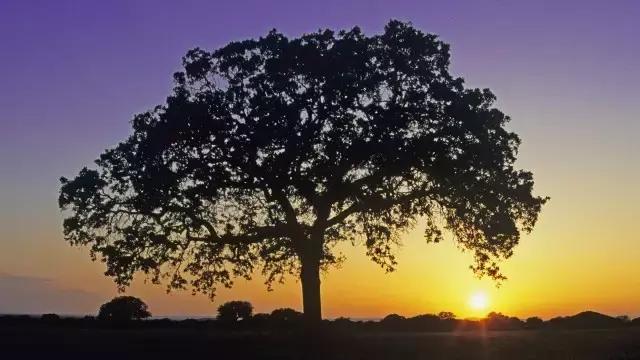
{"x":72,"y":74}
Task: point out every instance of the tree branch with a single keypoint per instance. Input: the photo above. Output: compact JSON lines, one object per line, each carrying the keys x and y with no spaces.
{"x":251,"y":236}
{"x":374,"y":204}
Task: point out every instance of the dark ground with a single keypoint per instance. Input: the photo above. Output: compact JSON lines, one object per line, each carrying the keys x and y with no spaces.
{"x":77,"y":343}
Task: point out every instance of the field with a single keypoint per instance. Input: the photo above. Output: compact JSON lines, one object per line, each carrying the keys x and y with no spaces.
{"x":76,"y":343}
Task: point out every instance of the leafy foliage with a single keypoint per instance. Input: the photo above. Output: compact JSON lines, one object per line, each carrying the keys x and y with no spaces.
{"x":270,"y":151}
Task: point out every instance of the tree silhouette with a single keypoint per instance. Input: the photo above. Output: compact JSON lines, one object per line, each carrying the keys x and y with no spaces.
{"x":534,"y":322}
{"x":233,"y":311}
{"x":285,"y":315}
{"x":446,"y":315}
{"x":268,"y":152}
{"x":124,"y":308}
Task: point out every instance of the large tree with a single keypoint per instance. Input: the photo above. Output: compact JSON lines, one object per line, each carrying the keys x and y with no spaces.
{"x":269,"y":152}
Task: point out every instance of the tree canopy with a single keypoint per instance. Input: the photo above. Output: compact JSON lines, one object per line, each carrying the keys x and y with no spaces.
{"x":270,"y":151}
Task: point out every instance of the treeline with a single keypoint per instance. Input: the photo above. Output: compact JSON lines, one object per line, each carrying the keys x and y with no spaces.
{"x":130,"y":312}
{"x":497,"y":321}
{"x":289,"y":319}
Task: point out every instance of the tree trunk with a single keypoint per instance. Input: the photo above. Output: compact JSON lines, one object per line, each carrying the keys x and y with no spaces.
{"x":310,"y":278}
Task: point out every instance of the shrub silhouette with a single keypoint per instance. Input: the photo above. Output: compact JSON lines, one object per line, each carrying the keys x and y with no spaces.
{"x":260,"y":320}
{"x":393,"y":318}
{"x":425,"y":322}
{"x":624,"y":318}
{"x":533,"y":322}
{"x":446,"y":315}
{"x":393,"y":322}
{"x":271,"y":151}
{"x":123,"y":309}
{"x":586,"y":320}
{"x":234,"y":311}
{"x":50,"y":317}
{"x":498,"y":321}
{"x":285,"y":315}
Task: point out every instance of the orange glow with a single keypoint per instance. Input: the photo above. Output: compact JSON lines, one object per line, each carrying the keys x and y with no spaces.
{"x":582,"y":255}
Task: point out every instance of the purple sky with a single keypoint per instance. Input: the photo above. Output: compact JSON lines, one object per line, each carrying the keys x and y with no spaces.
{"x":72,"y":74}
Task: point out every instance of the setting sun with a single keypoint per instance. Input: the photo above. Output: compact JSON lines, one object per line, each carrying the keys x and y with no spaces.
{"x":479,"y":301}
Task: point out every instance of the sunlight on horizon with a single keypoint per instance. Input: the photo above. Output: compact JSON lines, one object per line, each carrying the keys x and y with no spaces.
{"x":479,"y":301}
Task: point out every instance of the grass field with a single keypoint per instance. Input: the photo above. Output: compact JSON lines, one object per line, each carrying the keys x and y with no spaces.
{"x":75,"y":343}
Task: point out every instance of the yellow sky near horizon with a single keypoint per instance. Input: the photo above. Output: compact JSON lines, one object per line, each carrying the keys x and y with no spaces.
{"x":563,"y":267}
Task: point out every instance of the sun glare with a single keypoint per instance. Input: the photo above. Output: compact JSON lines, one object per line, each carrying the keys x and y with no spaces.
{"x":479,"y":301}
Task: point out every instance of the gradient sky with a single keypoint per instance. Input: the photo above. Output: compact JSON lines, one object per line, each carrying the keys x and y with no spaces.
{"x":72,"y":74}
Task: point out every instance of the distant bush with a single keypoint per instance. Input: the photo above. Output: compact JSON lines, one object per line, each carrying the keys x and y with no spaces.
{"x":393,"y":321}
{"x":343,"y":322}
{"x":424,"y":322}
{"x":446,"y":315}
{"x":444,"y":321}
{"x":533,"y":322}
{"x":50,"y":317}
{"x":260,"y":320}
{"x":285,"y":315}
{"x":624,"y":318}
{"x":498,"y":321}
{"x":586,"y":320}
{"x":123,"y":309}
{"x":234,"y":311}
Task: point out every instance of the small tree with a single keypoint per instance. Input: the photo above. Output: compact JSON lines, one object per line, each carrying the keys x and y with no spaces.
{"x":124,"y":308}
{"x":272,"y":151}
{"x":234,"y":311}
